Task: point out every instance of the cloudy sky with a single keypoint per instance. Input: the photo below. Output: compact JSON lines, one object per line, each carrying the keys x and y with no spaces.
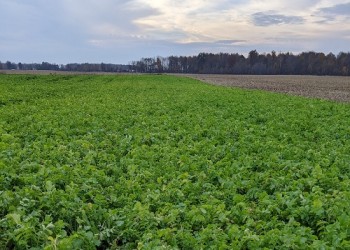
{"x":119,"y":31}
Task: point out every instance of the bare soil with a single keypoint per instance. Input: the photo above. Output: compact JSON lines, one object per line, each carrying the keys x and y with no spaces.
{"x":335,"y":88}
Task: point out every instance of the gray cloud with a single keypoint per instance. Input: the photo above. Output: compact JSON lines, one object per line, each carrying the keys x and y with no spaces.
{"x":62,"y":31}
{"x":340,"y":9}
{"x":117,"y":15}
{"x":229,"y":42}
{"x":330,"y":14}
{"x":326,"y":19}
{"x":267,"y":19}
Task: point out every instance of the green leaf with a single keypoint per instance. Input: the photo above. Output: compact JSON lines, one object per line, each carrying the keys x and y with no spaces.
{"x":15,"y":217}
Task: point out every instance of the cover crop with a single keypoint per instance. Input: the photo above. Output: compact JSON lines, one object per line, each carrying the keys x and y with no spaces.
{"x":125,"y":162}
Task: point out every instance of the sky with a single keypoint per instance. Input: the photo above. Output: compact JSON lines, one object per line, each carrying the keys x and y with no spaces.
{"x":121,"y":31}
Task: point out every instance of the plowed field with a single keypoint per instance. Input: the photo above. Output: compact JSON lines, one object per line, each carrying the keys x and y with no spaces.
{"x":326,"y":87}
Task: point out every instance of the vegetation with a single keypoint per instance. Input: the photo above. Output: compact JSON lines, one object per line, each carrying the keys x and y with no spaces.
{"x":306,"y":63}
{"x":159,"y":161}
{"x":75,"y":67}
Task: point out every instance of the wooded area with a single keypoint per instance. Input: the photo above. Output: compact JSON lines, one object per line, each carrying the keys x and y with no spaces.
{"x":78,"y":67}
{"x":306,"y":63}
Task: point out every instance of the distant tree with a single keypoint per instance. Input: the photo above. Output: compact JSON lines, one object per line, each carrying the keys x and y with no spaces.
{"x":174,"y":64}
{"x":343,"y":60}
{"x":159,"y":66}
{"x":10,"y":65}
{"x":330,"y":64}
{"x":271,"y":63}
{"x":183,"y":61}
{"x":253,"y":57}
{"x":201,"y":59}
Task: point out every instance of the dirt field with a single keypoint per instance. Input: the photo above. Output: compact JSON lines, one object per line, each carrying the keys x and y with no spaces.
{"x":335,"y":88}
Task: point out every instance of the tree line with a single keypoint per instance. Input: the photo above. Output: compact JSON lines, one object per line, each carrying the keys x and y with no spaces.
{"x":306,"y":63}
{"x":79,"y":67}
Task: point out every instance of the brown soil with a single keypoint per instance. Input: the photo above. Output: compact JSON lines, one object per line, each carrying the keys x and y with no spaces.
{"x":335,"y":88}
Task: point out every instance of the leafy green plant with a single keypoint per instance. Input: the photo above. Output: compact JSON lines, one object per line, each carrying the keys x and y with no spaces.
{"x":156,"y":161}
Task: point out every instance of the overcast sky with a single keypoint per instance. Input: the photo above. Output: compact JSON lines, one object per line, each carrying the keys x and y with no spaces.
{"x":119,"y":31}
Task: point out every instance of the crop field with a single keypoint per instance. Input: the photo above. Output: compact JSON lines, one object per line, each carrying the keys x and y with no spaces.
{"x":335,"y":88}
{"x":166,"y":162}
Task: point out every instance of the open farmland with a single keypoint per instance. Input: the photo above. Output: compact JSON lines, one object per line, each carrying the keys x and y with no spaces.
{"x":128,"y":161}
{"x":335,"y":88}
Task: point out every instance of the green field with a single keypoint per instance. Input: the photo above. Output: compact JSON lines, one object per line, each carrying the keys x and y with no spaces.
{"x":154,"y":161}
